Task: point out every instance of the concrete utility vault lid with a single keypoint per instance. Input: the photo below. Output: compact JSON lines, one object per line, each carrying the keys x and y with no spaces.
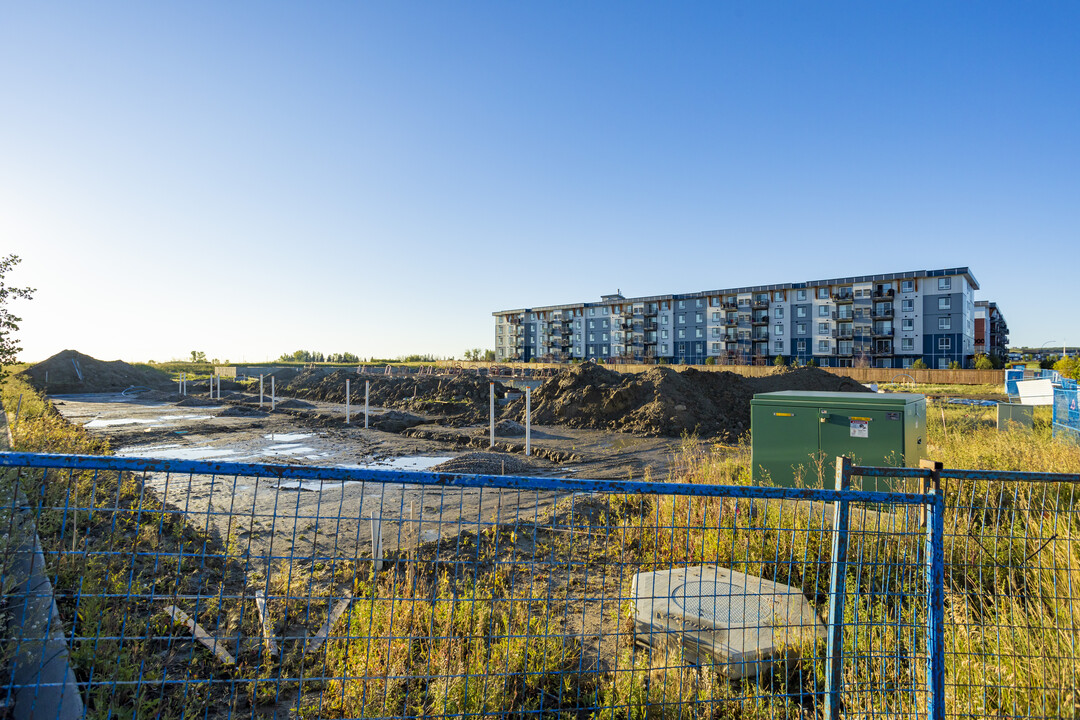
{"x":717,"y":616}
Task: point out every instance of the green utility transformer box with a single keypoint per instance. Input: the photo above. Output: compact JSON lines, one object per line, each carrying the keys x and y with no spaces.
{"x":794,"y":431}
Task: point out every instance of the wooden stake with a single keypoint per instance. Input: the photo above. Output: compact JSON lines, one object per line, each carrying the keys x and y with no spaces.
{"x":268,"y":628}
{"x":335,"y":615}
{"x":201,"y":635}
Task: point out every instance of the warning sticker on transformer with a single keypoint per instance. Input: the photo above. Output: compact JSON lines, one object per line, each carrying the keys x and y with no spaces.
{"x":860,"y":427}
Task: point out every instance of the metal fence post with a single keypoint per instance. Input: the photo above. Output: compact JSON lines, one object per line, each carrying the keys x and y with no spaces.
{"x":837,"y":588}
{"x":935,"y":605}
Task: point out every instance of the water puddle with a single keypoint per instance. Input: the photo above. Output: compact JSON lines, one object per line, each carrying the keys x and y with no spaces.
{"x":409,"y":462}
{"x":286,"y":437}
{"x":158,"y":421}
{"x":177,"y":452}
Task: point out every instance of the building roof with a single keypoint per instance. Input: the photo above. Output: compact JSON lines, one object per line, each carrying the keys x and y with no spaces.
{"x":607,"y":299}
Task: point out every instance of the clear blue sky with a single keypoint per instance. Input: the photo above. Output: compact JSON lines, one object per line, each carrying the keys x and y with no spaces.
{"x":247,"y":179}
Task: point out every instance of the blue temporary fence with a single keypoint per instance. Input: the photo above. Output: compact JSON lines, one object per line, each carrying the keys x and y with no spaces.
{"x":224,"y":589}
{"x":1066,"y":417}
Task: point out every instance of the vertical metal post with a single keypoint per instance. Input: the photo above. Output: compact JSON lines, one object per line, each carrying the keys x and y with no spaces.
{"x":346,"y":402}
{"x":367,"y":393}
{"x":837,"y":591}
{"x":491,"y":411}
{"x":273,"y":396}
{"x":260,"y":392}
{"x":930,"y":483}
{"x":935,"y":605}
{"x":528,"y":420}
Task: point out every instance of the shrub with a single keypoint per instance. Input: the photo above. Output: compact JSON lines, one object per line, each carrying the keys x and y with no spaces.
{"x":918,"y":365}
{"x":982,"y":362}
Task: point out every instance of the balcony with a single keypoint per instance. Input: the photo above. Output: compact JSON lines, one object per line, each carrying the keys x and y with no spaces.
{"x":882,"y":314}
{"x":845,"y":351}
{"x":840,"y":315}
{"x":883,"y":348}
{"x":760,"y":320}
{"x":729,"y":306}
{"x":882,"y":332}
{"x":731,"y":321}
{"x":843,"y":297}
{"x":759,"y":305}
{"x":844,"y":334}
{"x":884,"y":293}
{"x":761,"y":335}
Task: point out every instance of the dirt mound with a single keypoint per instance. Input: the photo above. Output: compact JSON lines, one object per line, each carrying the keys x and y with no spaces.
{"x":394,"y":421}
{"x":485,"y":463}
{"x":195,"y":401}
{"x":442,"y":395}
{"x":292,"y":403}
{"x":503,"y":428}
{"x":663,"y":401}
{"x":72,"y":372}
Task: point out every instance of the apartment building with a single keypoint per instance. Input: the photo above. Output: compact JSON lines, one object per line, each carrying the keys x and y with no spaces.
{"x":887,"y":321}
{"x":991,"y":330}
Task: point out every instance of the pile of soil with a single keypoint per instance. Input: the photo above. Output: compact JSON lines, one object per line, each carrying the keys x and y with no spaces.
{"x":72,"y":372}
{"x":292,"y":404}
{"x":241,"y":411}
{"x":485,"y":463}
{"x":393,"y":421}
{"x":663,"y":401}
{"x":196,"y":401}
{"x":443,"y":395}
{"x":503,"y":428}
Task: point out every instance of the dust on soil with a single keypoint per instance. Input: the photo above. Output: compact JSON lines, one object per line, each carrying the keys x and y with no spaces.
{"x":663,"y":401}
{"x":69,"y":371}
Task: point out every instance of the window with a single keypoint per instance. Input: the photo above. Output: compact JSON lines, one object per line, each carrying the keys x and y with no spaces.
{"x":714,"y":301}
{"x":944,"y":283}
{"x":907,"y":325}
{"x":801,"y":346}
{"x":682,"y":304}
{"x":823,"y":346}
{"x":778,"y":329}
{"x":605,"y":311}
{"x":716,"y":332}
{"x":907,"y":344}
{"x":944,"y":323}
{"x":823,"y":293}
{"x":592,"y":311}
{"x":663,"y":319}
{"x":907,"y":286}
{"x":716,"y":347}
{"x":577,"y":338}
{"x":778,"y":346}
{"x":823,"y":328}
{"x":907,"y":305}
{"x":800,"y":294}
{"x":604,"y":349}
{"x":698,"y":303}
{"x":778,"y":312}
{"x":944,"y":343}
{"x":908,"y":362}
{"x":592,"y":324}
{"x":663,"y":348}
{"x":663,"y":334}
{"x":604,"y":337}
{"x":592,"y":337}
{"x":800,"y":328}
{"x":778,"y":296}
{"x":663,"y":305}
{"x":944,"y":303}
{"x":699,"y":333}
{"x":800,"y":312}
{"x":716,"y":317}
{"x":682,"y":333}
{"x":697,"y":317}
{"x":682,"y":319}
{"x":823,"y":311}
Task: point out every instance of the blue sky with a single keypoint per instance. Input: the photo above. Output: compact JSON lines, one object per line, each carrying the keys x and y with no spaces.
{"x":247,"y":179}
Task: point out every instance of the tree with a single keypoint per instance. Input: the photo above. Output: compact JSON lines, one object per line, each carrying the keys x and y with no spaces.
{"x":983,"y":362}
{"x":9,"y":324}
{"x":489,"y":356}
{"x":198,"y":356}
{"x":918,"y":364}
{"x":1069,"y":367}
{"x":778,"y":361}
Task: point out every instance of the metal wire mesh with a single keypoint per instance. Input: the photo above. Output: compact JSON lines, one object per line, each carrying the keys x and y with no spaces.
{"x":213,"y":590}
{"x":1012,"y":584}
